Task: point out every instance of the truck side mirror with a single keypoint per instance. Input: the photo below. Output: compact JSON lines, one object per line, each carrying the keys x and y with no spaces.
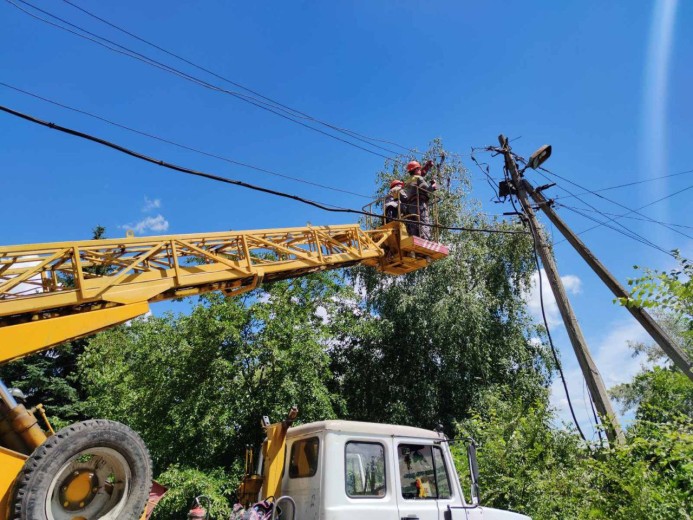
{"x":473,"y":471}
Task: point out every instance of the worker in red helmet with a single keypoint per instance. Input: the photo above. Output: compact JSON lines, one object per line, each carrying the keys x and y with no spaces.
{"x":418,"y":193}
{"x":394,"y":201}
{"x":415,"y":168}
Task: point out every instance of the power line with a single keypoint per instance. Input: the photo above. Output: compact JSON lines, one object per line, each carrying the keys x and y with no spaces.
{"x":650,"y":179}
{"x":198,"y":173}
{"x":198,"y":81}
{"x":489,"y":180}
{"x":236,"y":84}
{"x":559,"y":204}
{"x":150,"y":61}
{"x":625,"y":231}
{"x":636,"y":237}
{"x":185,"y":147}
{"x":636,"y":211}
{"x":535,"y":246}
{"x":660,"y":199}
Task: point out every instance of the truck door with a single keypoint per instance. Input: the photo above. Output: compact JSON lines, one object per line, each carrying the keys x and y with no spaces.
{"x":304,"y":477}
{"x":423,"y":483}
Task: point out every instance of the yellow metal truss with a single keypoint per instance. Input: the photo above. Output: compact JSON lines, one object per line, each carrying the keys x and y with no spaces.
{"x":51,"y":293}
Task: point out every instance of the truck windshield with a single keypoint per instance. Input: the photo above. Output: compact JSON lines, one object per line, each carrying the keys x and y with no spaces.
{"x":422,"y":472}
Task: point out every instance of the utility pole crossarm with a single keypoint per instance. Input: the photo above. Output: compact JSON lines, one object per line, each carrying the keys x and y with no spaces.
{"x":670,"y":348}
{"x":589,"y":368}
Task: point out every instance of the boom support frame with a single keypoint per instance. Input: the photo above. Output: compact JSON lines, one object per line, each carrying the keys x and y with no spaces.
{"x":55,"y":292}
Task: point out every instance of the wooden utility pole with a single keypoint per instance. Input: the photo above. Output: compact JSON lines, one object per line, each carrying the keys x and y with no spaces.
{"x":589,"y":369}
{"x":671,"y":349}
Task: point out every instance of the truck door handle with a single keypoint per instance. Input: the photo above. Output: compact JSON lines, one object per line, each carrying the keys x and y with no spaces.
{"x":410,"y":517}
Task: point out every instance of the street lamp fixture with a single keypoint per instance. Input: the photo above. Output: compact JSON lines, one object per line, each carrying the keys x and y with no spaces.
{"x":538,"y":157}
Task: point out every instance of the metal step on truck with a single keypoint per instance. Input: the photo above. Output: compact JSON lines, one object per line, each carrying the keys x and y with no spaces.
{"x":346,"y":470}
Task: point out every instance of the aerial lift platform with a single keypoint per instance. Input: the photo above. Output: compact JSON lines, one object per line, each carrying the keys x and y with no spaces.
{"x":57,"y":292}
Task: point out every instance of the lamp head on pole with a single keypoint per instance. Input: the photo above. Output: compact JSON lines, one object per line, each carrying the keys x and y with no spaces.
{"x":538,"y":157}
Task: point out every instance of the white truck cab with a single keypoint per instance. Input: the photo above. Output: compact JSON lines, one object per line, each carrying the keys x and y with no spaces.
{"x":345,"y":470}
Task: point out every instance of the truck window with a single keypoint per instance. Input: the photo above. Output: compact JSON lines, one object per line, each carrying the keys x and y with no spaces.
{"x":422,"y":472}
{"x":364,"y":471}
{"x":304,"y":458}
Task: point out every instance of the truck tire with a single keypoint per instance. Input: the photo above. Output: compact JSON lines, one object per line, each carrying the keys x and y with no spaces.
{"x":91,"y":470}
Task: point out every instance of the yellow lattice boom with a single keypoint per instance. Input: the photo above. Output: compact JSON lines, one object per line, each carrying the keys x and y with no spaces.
{"x":51,"y":293}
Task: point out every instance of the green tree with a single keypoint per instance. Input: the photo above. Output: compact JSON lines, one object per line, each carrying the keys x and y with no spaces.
{"x":529,"y":465}
{"x":429,"y":342}
{"x":661,"y":391}
{"x":669,"y":291}
{"x":195,"y":386}
{"x":50,"y":377}
{"x":186,"y":483}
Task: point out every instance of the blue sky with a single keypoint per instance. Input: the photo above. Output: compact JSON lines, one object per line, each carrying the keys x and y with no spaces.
{"x":606,"y":83}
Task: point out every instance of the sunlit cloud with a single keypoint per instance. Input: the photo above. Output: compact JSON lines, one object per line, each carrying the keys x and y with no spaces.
{"x":572,"y":285}
{"x":616,"y":364}
{"x":157,"y":224}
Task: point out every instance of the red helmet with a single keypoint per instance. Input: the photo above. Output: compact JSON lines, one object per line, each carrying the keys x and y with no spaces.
{"x":396,"y":183}
{"x":413,"y":165}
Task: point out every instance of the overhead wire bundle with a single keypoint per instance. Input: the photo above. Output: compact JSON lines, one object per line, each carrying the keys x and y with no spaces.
{"x":629,"y":210}
{"x":346,"y":136}
{"x":211,"y":176}
{"x":183,"y":146}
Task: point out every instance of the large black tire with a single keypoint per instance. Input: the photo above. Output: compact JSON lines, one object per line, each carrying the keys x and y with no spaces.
{"x":110,"y":457}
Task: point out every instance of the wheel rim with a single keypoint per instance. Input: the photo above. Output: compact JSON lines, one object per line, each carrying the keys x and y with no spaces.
{"x":93,"y":485}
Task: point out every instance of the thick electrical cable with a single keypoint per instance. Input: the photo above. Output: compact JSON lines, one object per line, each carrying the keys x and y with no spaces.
{"x":211,"y":176}
{"x":182,"y":146}
{"x":94,"y":38}
{"x":291,"y":110}
{"x":535,"y":242}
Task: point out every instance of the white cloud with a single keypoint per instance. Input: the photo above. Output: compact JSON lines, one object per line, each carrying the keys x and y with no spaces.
{"x":150,"y":204}
{"x":572,"y":284}
{"x":615,"y":363}
{"x":535,"y":342}
{"x":143,"y":317}
{"x":28,"y":287}
{"x":158,"y":223}
{"x":321,"y":312}
{"x":613,"y":356}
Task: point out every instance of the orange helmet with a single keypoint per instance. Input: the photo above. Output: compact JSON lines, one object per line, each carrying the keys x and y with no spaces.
{"x":413,"y":165}
{"x":396,"y":183}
